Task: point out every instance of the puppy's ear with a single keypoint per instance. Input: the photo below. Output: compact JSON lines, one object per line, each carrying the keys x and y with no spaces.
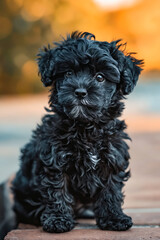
{"x":46,"y":64}
{"x":129,"y":67}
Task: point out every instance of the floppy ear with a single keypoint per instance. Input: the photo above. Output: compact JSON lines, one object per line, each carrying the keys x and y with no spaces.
{"x":46,"y":64}
{"x":130,"y":73}
{"x":129,"y":67}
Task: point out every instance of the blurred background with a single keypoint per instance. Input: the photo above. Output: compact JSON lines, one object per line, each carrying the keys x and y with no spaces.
{"x":26,"y":26}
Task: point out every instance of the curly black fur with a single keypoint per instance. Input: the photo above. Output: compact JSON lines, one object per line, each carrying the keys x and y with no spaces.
{"x":78,"y":155}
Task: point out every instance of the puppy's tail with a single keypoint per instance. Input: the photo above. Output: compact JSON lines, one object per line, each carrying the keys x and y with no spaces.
{"x":7,"y":215}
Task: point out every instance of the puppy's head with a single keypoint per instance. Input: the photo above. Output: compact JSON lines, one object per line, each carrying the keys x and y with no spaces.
{"x":87,"y":75}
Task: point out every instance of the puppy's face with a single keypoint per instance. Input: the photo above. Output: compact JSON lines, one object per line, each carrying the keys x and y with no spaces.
{"x":85,"y":75}
{"x":85,"y":94}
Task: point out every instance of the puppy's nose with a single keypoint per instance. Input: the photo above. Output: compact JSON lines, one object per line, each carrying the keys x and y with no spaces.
{"x":81,"y":92}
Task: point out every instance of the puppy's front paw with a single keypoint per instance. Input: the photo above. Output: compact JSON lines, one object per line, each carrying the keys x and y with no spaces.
{"x":118,"y":223}
{"x":58,"y":224}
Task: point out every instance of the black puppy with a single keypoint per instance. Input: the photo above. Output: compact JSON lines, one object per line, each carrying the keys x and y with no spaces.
{"x":78,"y":155}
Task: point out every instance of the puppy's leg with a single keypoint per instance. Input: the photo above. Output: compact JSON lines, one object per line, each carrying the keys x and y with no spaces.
{"x":108,"y":211}
{"x":58,"y":214}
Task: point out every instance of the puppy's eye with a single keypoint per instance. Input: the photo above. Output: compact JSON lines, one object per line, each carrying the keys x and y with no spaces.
{"x":68,"y":74}
{"x":99,"y":77}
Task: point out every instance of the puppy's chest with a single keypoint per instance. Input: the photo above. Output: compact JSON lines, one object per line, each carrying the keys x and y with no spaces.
{"x":86,"y":171}
{"x":87,"y":159}
{"x":87,"y":154}
{"x":85,"y":175}
{"x":89,"y":151}
{"x":93,"y":159}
